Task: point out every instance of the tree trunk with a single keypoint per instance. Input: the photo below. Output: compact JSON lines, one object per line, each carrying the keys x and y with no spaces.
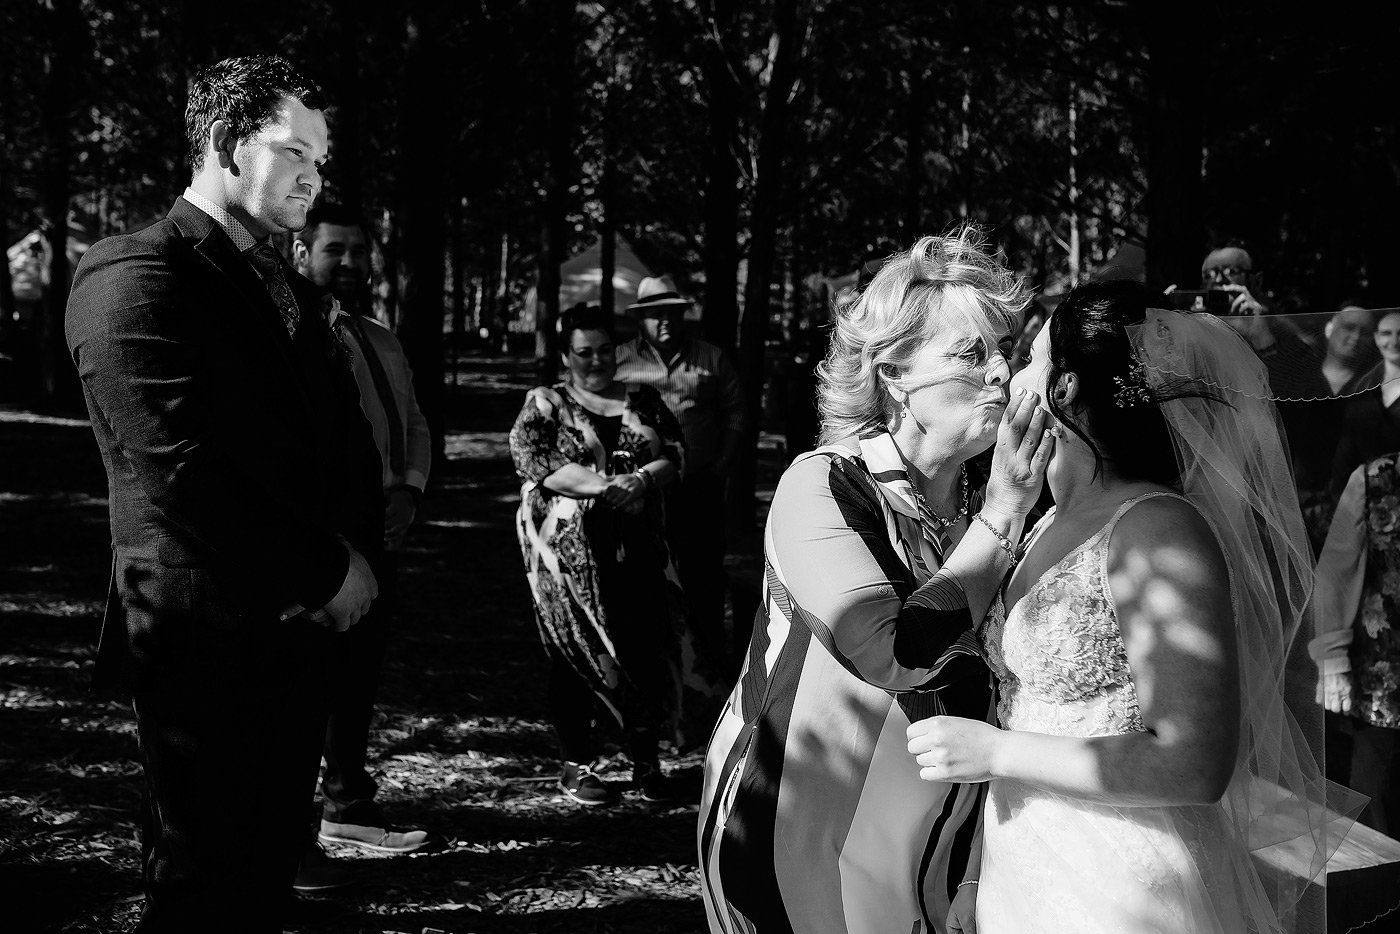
{"x":607,"y":201}
{"x":607,"y":227}
{"x":500,"y":301}
{"x":1175,"y":226}
{"x":56,"y":375}
{"x":7,"y":109}
{"x":423,"y":233}
{"x":720,"y":322}
{"x":964,"y":148}
{"x":763,"y":236}
{"x":459,"y":284}
{"x":1075,"y":260}
{"x":389,"y":227}
{"x":914,"y":148}
{"x":558,"y":125}
{"x":192,"y":40}
{"x":348,"y":104}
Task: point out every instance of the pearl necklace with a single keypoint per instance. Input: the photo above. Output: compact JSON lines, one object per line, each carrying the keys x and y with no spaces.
{"x":943,"y":523}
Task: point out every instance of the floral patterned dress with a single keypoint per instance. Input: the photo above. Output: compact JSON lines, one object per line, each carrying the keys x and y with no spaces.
{"x":591,"y":567}
{"x":1358,"y":591}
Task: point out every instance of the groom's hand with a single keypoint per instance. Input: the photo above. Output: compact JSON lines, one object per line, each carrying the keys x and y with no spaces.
{"x":356,"y":594}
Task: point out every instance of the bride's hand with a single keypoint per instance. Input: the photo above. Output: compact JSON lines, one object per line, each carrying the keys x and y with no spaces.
{"x":954,"y":749}
{"x":1025,"y":441}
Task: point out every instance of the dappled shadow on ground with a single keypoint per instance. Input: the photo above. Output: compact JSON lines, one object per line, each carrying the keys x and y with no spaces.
{"x":461,"y":742}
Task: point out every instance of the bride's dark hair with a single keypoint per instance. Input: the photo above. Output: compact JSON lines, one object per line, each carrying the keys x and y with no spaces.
{"x":1115,"y":413}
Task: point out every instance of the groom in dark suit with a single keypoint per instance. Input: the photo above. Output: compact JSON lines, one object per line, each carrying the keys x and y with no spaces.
{"x":244,"y":498}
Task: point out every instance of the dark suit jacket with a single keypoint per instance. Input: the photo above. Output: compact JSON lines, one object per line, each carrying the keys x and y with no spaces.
{"x":235,"y":455}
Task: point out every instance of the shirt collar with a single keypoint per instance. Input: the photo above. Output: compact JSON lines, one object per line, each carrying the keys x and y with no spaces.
{"x":646,"y":347}
{"x":239,"y":234}
{"x":882,"y":459}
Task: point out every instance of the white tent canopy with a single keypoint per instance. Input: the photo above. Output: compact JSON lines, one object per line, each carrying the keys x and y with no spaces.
{"x":581,"y":280}
{"x":28,"y":259}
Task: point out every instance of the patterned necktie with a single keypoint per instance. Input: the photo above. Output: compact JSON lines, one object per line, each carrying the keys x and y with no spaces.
{"x":265,"y":260}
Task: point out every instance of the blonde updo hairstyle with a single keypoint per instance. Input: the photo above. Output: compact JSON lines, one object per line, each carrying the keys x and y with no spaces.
{"x":943,"y":284}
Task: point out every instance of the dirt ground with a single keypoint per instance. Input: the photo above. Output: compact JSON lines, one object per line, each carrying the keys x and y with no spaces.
{"x":461,"y":745}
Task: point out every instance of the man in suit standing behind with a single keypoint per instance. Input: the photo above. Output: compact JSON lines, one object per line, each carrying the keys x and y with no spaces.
{"x":244,"y":493}
{"x":333,"y":251}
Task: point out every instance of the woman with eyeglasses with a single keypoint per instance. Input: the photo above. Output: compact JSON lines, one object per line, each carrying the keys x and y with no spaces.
{"x":593,"y":454}
{"x":812,"y":818}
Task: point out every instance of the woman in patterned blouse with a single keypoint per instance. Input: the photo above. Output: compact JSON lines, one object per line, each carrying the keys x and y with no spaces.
{"x":813,"y":818}
{"x":593,"y":454}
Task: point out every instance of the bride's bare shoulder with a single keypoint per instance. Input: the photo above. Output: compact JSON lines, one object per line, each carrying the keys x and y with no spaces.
{"x":1167,"y":535}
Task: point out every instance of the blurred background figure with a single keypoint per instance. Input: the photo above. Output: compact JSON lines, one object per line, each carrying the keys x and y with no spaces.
{"x":1341,"y":364}
{"x":1371,"y":423}
{"x":593,"y":453}
{"x":1358,"y":651}
{"x":333,"y":251}
{"x":1349,"y":354}
{"x":701,"y":387}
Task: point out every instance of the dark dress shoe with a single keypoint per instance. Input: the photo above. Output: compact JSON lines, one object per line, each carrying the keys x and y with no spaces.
{"x":653,"y":786}
{"x":319,"y":873}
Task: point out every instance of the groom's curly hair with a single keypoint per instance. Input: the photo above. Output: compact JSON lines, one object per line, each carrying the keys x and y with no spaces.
{"x":243,"y":92}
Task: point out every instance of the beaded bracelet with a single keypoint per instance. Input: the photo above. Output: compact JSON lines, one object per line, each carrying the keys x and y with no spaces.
{"x":967,"y":882}
{"x":1002,"y":541}
{"x":641,"y":473}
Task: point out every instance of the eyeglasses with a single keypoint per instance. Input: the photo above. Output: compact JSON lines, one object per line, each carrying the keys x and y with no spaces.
{"x":1225,"y":273}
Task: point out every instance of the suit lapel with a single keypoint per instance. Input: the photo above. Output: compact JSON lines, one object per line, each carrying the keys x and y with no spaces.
{"x":216,"y":248}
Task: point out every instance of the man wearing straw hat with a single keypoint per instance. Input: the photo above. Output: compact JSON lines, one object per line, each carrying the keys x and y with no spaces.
{"x":702,"y":388}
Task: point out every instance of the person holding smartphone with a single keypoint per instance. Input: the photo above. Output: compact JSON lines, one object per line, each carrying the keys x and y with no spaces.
{"x":1232,"y":288}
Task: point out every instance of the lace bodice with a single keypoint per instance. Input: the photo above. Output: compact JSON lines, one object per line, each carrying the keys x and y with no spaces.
{"x":1059,"y":654}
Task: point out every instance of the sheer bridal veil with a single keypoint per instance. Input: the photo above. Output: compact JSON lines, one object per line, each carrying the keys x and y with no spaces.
{"x":1235,"y":469}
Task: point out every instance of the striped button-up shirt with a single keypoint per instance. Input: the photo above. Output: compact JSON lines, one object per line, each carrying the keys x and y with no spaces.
{"x":813,"y":816}
{"x":700,"y":387}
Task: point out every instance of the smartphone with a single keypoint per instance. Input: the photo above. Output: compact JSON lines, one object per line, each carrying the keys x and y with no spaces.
{"x":1214,"y":301}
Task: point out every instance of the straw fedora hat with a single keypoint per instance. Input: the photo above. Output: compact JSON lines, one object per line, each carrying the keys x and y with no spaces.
{"x":657,"y":292}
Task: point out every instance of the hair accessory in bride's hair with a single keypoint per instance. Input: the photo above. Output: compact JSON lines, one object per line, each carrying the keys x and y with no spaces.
{"x":1132,"y":389}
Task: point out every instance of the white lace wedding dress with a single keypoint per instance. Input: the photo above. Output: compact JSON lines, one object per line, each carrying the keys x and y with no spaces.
{"x":1054,"y":864}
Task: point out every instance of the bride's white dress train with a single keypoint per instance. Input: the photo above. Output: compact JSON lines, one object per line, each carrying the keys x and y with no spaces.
{"x":1053,"y":864}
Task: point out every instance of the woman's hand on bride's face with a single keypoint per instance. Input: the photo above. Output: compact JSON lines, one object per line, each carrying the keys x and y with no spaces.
{"x":954,"y":749}
{"x":1025,"y":441}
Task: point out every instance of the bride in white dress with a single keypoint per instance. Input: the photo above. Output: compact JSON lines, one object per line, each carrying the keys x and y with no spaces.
{"x":1146,"y":747}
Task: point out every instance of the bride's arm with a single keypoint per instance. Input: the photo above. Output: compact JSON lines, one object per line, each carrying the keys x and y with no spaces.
{"x":1170,"y":588}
